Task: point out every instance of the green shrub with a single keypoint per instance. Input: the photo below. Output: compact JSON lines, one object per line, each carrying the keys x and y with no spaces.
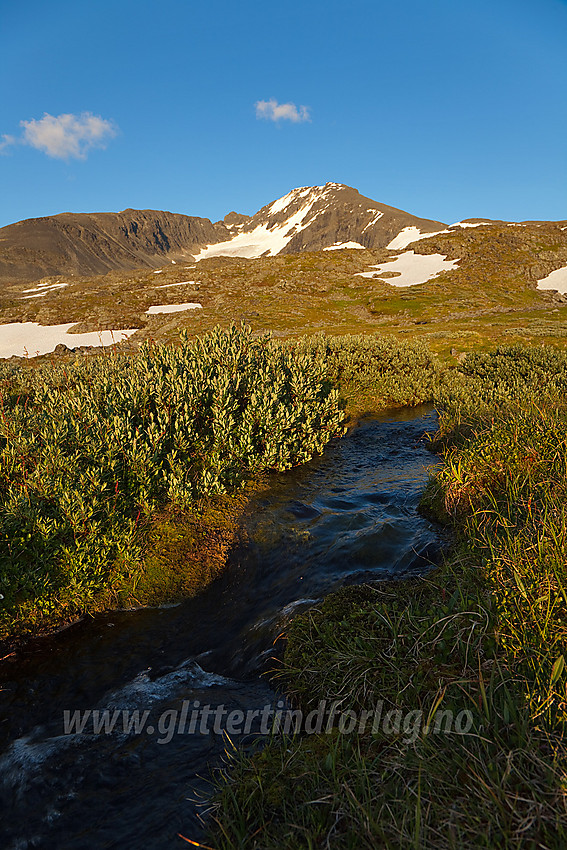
{"x":397,"y":373}
{"x":92,"y":447}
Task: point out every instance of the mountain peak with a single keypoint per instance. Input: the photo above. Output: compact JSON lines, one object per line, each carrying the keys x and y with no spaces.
{"x":311,"y":218}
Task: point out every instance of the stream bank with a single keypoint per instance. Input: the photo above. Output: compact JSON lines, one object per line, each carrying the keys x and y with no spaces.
{"x":346,"y":517}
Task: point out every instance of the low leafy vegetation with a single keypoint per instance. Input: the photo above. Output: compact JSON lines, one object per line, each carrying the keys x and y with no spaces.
{"x":94,"y":448}
{"x":376,"y":369}
{"x":102,"y":456}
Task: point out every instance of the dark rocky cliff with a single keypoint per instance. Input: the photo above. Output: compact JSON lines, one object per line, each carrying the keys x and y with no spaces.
{"x":94,"y":243}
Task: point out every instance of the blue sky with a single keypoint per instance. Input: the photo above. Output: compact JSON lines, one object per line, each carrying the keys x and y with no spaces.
{"x":446,"y":109}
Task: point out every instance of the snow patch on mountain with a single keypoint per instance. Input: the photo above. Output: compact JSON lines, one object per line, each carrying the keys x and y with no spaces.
{"x":413,"y":234}
{"x":181,"y":283}
{"x":29,"y":339}
{"x":340,"y":245}
{"x":282,"y":203}
{"x":173,"y":308}
{"x":471,"y":223}
{"x":408,"y":235}
{"x":43,"y":289}
{"x":557,"y":280}
{"x":270,"y":238}
{"x":378,"y":215}
{"x":261,"y":241}
{"x":412,"y":269}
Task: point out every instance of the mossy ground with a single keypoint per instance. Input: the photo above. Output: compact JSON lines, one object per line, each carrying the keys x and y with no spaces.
{"x":182,"y":552}
{"x":187,"y":550}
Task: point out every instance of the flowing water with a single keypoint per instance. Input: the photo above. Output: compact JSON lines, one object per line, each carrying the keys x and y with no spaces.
{"x":347,"y":517}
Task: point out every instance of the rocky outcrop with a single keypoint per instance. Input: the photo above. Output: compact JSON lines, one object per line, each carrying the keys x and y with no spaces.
{"x":95,"y":243}
{"x":235,"y":220}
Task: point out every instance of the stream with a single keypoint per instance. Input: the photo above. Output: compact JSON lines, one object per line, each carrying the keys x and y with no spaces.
{"x":348,"y":516}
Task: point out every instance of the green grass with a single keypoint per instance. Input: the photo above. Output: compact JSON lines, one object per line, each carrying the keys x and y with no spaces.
{"x":486,"y":633}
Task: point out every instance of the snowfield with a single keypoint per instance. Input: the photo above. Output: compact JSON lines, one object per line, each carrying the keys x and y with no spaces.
{"x":283,"y":202}
{"x":471,"y":224}
{"x":43,"y":289}
{"x":173,"y":308}
{"x":29,"y":339}
{"x":413,"y":234}
{"x":265,"y":239}
{"x":181,"y":283}
{"x":338,"y":246}
{"x":413,"y":269}
{"x":408,"y":235}
{"x":556,"y":280}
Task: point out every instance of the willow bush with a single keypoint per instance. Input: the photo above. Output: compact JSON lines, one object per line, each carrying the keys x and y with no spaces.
{"x":91,"y":447}
{"x":398,"y":373}
{"x":508,"y":378}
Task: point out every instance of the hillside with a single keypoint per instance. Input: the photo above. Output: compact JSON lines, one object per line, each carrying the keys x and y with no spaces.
{"x":319,"y":259}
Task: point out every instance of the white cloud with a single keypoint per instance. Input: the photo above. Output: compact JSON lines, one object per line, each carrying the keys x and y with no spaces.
{"x":6,"y":142}
{"x":67,"y":136}
{"x":271,"y":110}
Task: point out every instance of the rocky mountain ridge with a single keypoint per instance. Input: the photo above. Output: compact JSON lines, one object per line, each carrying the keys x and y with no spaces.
{"x":306,"y":219}
{"x":95,"y":243}
{"x":470,"y":282}
{"x":314,"y":218}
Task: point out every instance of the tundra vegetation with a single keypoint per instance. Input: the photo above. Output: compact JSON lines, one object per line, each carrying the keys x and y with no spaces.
{"x":490,"y":296}
{"x":122,"y":477}
{"x":93,"y":449}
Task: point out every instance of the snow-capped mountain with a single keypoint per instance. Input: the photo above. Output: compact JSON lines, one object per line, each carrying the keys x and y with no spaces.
{"x":313,"y":218}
